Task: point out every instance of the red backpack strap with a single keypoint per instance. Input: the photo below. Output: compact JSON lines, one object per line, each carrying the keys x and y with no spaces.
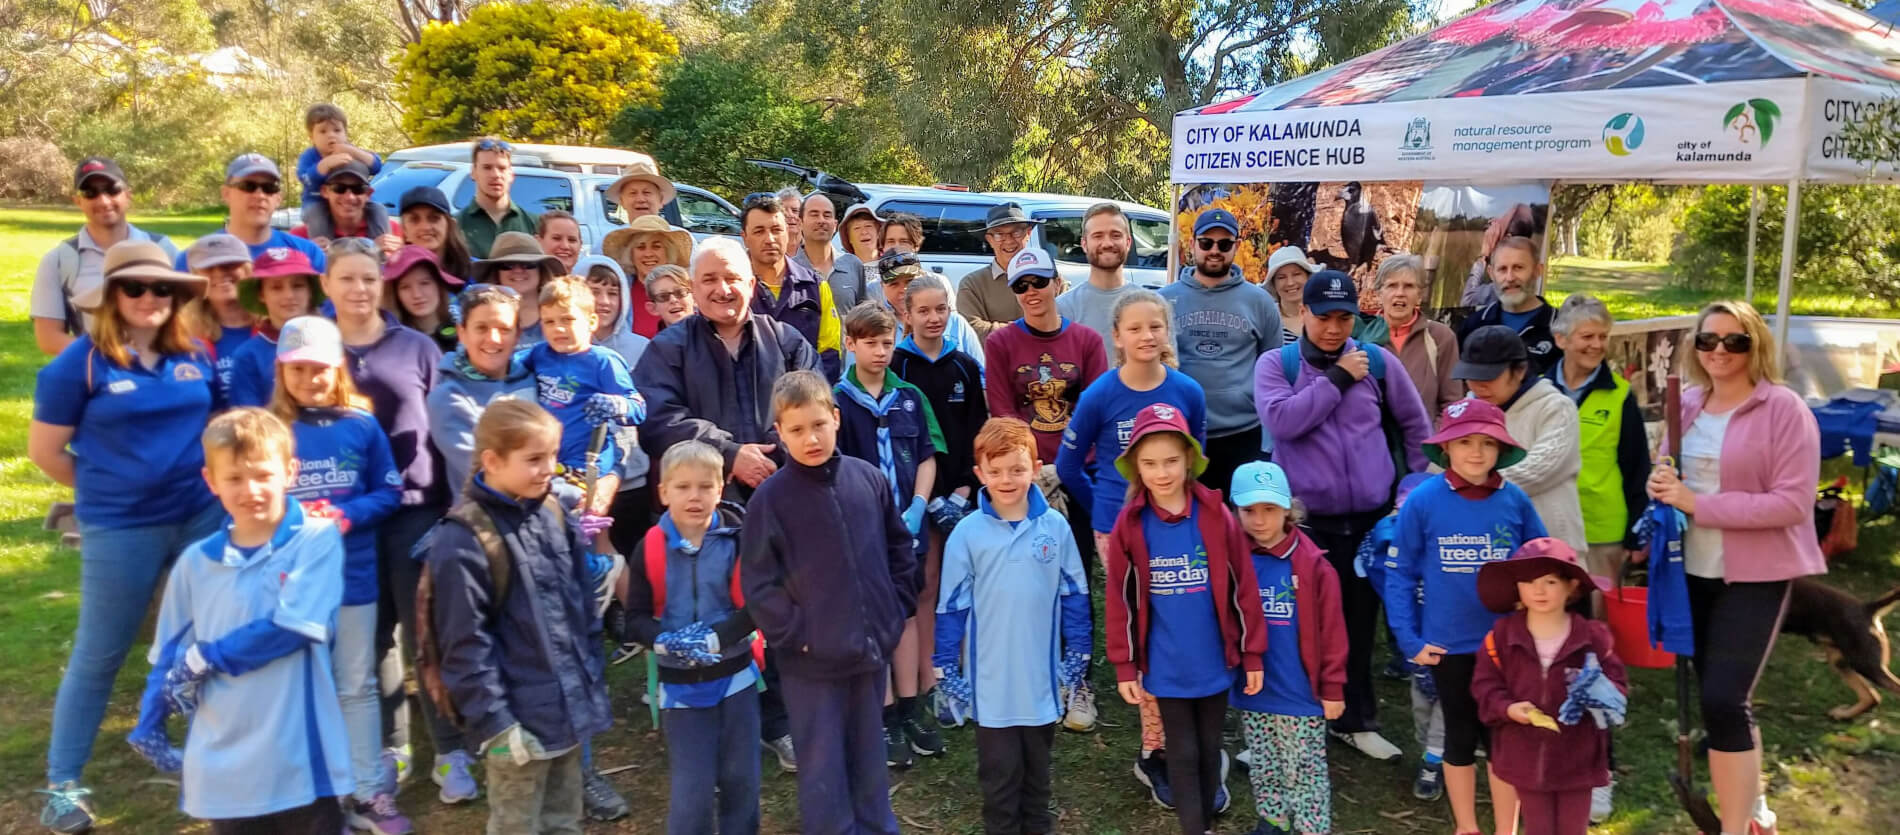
{"x":655,"y":558}
{"x":738,"y":591}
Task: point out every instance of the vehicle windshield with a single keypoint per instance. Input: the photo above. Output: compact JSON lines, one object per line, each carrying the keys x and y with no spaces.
{"x":1062,"y":234}
{"x":393,"y":182}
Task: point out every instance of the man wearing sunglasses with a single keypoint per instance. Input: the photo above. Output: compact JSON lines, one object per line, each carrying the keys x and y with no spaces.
{"x":494,"y":210}
{"x":252,"y":191}
{"x":74,"y":267}
{"x":1222,"y":324}
{"x":984,"y":297}
{"x":346,"y":192}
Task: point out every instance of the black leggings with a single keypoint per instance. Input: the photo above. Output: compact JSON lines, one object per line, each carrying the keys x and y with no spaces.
{"x":1463,"y":731}
{"x":1193,"y":729}
{"x":1746,"y":617}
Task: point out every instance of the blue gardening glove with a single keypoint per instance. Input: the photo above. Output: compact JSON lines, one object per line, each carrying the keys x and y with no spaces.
{"x":605,"y":408}
{"x":152,"y":744}
{"x":183,"y":680}
{"x":955,"y":692}
{"x":947,"y":511}
{"x":1589,"y":691}
{"x":914,"y":515}
{"x":603,"y":571}
{"x":1075,"y":669}
{"x":697,"y":645}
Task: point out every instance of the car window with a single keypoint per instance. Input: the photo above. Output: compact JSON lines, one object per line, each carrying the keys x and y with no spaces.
{"x":705,"y":216}
{"x":392,"y":184}
{"x":536,"y":194}
{"x":1062,"y":236}
{"x":949,"y":228}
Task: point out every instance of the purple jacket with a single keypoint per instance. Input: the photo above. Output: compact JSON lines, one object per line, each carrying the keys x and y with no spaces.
{"x":1326,"y":430}
{"x":1529,"y":757}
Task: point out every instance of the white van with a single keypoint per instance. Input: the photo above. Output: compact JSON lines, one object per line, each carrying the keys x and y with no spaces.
{"x":579,"y":159}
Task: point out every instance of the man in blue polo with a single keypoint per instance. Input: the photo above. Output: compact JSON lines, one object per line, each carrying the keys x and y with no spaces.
{"x":253,"y":189}
{"x":69,"y":278}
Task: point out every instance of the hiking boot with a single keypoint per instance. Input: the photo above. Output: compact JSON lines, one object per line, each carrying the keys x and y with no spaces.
{"x":378,"y":816}
{"x":924,"y":737}
{"x":1602,"y":802}
{"x":451,"y":774}
{"x":1369,"y":743}
{"x":68,"y":808}
{"x":601,"y":801}
{"x":1151,"y":770}
{"x":1080,"y":716}
{"x":1429,"y":784}
{"x":896,"y":747}
{"x":782,"y":748}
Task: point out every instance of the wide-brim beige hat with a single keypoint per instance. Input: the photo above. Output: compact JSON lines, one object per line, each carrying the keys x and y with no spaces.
{"x":618,"y":244}
{"x":516,"y":248}
{"x":136,"y":260}
{"x":644,"y":171}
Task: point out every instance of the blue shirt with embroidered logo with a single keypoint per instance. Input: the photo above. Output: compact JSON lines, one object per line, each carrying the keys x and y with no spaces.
{"x":343,"y":457}
{"x":1285,"y":689}
{"x":1186,"y":658}
{"x":901,"y":408}
{"x":136,"y":449}
{"x":225,"y":348}
{"x":564,"y":382}
{"x":1103,"y":422}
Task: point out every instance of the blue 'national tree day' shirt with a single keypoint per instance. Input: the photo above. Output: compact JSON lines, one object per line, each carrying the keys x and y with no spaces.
{"x":228,"y":342}
{"x":1103,"y":422}
{"x":343,"y":457}
{"x":1443,"y":540}
{"x":1186,"y":655}
{"x":1285,"y":690}
{"x":564,"y":382}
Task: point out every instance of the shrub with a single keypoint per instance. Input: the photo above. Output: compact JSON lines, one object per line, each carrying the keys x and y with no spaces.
{"x":33,"y":169}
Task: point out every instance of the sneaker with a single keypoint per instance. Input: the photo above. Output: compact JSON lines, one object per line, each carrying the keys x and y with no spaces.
{"x":1244,"y":759}
{"x":1602,"y":802}
{"x":1369,"y":743}
{"x":782,"y":748}
{"x":394,"y":771}
{"x":896,"y":747}
{"x":451,"y":774}
{"x":1152,"y":771}
{"x":1429,"y":784}
{"x":1267,"y":828}
{"x":1081,"y":713}
{"x":1765,"y":819}
{"x":1397,"y":669}
{"x":68,"y":808}
{"x":378,"y":816}
{"x":1221,"y":797}
{"x":924,"y":737}
{"x":601,"y":801}
{"x":626,"y":652}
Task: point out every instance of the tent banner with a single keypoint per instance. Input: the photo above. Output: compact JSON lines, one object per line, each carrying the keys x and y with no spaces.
{"x":1729,"y":132}
{"x":1834,"y":106}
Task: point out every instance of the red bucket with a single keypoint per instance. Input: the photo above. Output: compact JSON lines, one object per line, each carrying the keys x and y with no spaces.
{"x":1627,"y":610}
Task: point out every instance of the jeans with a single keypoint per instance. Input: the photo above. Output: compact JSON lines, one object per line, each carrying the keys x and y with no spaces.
{"x":398,"y":577}
{"x":708,"y":749}
{"x":540,"y":798}
{"x":119,"y":573}
{"x":353,"y":658}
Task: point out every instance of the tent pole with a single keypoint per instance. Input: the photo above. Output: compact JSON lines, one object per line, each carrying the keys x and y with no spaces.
{"x":1790,"y":229}
{"x":1174,"y":232}
{"x":1754,"y":218}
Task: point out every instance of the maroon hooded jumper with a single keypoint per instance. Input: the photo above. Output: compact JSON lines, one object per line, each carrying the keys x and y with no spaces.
{"x":1529,"y":757}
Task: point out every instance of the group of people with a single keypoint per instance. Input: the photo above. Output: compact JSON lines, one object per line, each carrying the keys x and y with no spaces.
{"x":841,"y":502}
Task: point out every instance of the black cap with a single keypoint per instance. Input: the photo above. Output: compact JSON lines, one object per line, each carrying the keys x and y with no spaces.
{"x":354,"y":168}
{"x":1007,"y":214}
{"x":1330,"y":291}
{"x":97,"y":167}
{"x":1488,"y":352}
{"x":424,"y":196}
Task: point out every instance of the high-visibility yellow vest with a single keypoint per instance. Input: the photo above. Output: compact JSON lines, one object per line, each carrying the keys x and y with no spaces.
{"x":1600,"y":484}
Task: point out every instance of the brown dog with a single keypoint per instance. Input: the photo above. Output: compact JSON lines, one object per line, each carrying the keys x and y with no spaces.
{"x":1851,"y":633}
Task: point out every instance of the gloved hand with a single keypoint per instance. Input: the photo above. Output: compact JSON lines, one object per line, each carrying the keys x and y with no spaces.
{"x":604,"y":408}
{"x":947,"y":511}
{"x":696,"y":644}
{"x":955,"y":692}
{"x":914,"y":515}
{"x":591,"y":525}
{"x":183,"y":680}
{"x":156,"y":747}
{"x":1590,"y":692}
{"x":1075,"y":668}
{"x":604,"y":571}
{"x":323,"y":509}
{"x":516,"y":744}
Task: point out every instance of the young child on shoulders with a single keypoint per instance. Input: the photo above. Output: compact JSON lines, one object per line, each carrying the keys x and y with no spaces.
{"x":244,"y":636}
{"x":689,"y":610}
{"x":887,"y":422}
{"x":831,"y":589}
{"x":1304,"y":685}
{"x":583,"y":385}
{"x":537,"y":622}
{"x":1011,"y":570}
{"x":1449,"y":528}
{"x":329,"y":150}
{"x":1182,"y":610}
{"x":1549,"y":686}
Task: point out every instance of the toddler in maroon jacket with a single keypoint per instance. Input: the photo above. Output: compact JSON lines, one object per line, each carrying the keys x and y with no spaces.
{"x":1536,"y":659}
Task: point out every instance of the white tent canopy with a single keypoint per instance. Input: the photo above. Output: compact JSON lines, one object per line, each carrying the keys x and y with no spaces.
{"x":1680,"y":91}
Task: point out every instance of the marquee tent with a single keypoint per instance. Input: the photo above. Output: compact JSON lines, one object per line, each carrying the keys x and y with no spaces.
{"x":1676,"y":91}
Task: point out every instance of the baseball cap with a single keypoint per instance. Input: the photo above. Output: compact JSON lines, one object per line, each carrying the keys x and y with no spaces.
{"x":97,"y":167}
{"x":249,"y":164}
{"x":1488,"y":352}
{"x":895,"y":264}
{"x":1330,"y":291}
{"x":1261,"y":482}
{"x":310,"y":339}
{"x":1497,"y":581}
{"x":216,"y":251}
{"x":354,"y":168}
{"x":1154,"y":418}
{"x":424,"y":196}
{"x":1471,"y":416}
{"x":1218,"y":219}
{"x":1030,"y":263}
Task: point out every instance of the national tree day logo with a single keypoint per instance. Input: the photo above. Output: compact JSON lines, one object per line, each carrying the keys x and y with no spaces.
{"x":1752,"y":119}
{"x":1623,"y":134}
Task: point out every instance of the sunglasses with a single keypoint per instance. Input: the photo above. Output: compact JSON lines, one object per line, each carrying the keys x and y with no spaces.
{"x":354,"y":246}
{"x":138,"y":289}
{"x":1211,"y":244}
{"x":348,"y":188}
{"x":669,"y":296}
{"x":1734,"y":343}
{"x":92,"y":192}
{"x":492,"y":144}
{"x":254,"y":186}
{"x":1030,"y":282}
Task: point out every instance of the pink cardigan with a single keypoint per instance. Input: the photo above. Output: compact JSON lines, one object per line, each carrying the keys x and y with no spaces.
{"x":1771,"y":464}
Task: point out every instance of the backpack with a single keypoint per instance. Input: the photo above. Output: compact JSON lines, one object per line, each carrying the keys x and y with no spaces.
{"x":501,"y":576}
{"x":1388,"y":424}
{"x":653,"y":561}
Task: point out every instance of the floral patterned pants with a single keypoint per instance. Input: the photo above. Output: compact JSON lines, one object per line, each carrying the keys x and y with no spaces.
{"x":1291,"y":787}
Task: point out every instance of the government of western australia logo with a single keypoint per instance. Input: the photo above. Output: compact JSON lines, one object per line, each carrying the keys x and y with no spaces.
{"x":1418,"y":135}
{"x":1623,"y":134}
{"x":1752,"y":121}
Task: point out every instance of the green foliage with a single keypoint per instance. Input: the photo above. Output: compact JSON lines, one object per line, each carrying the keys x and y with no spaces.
{"x":531,"y":71}
{"x":1849,"y":239}
{"x":1636,"y":222}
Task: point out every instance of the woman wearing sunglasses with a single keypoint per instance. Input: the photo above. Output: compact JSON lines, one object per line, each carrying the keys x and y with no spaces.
{"x":644,"y":243}
{"x":116,"y":417}
{"x":1751,"y":455}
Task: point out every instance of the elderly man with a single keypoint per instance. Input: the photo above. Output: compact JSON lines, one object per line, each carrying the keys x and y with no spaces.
{"x":984,"y":296}
{"x":1427,"y":347}
{"x":1333,"y":420}
{"x":347,"y":191}
{"x":1517,"y":270}
{"x":788,"y":291}
{"x":818,"y":221}
{"x":1613,"y":447}
{"x":494,"y":210}
{"x":792,"y":203}
{"x":641,"y":191}
{"x":72,"y":268}
{"x":253,"y":189}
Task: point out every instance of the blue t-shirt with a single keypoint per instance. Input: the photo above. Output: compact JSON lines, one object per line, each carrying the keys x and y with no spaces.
{"x":278,"y":239}
{"x":1186,"y":656}
{"x":136,"y":433}
{"x":312,"y":179}
{"x":227,"y":345}
{"x":1431,"y":571}
{"x":343,"y":456}
{"x":1518,"y":321}
{"x":253,"y":372}
{"x":1104,"y":420}
{"x":1285,"y":689}
{"x":564,"y":382}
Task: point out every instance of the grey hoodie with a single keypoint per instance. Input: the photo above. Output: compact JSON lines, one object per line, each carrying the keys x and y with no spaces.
{"x":630,"y":346}
{"x":1219,"y":333}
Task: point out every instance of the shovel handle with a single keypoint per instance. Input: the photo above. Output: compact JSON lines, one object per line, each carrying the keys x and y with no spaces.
{"x":1672,"y":415}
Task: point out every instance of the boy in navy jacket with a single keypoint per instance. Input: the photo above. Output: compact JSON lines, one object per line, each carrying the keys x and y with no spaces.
{"x":831,"y":591}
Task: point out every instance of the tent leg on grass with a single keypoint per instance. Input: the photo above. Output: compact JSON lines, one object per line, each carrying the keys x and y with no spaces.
{"x":1790,"y":230}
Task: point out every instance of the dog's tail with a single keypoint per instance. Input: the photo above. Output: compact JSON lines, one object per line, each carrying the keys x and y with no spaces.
{"x":1878,"y":607}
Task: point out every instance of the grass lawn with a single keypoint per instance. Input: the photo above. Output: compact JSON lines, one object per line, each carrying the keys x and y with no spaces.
{"x":1640,"y":290}
{"x":1824,"y":776}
